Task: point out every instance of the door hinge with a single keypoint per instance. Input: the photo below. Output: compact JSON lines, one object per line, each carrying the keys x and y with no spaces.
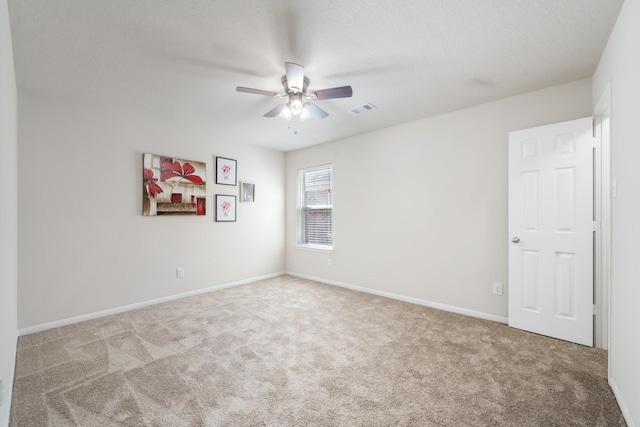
{"x":597,"y":226}
{"x":597,"y":310}
{"x":594,"y":132}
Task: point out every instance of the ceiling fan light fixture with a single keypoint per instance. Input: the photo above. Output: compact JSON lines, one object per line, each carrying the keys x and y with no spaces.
{"x":285,"y":113}
{"x":295,"y":103}
{"x":305,"y":114}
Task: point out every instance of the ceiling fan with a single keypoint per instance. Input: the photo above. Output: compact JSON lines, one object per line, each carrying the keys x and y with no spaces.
{"x":295,"y":85}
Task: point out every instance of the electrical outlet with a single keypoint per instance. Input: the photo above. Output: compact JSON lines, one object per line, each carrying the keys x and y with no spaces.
{"x":329,"y":262}
{"x":180,"y":272}
{"x":497,"y":288}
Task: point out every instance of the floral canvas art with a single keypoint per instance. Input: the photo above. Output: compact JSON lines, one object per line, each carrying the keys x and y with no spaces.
{"x":173,"y":186}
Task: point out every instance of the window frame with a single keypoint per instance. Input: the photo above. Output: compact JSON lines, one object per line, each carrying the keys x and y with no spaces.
{"x":301,"y":208}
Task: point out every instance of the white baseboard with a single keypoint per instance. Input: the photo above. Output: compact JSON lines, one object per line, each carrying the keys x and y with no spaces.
{"x":426,"y":303}
{"x":122,"y":309}
{"x":623,"y":407}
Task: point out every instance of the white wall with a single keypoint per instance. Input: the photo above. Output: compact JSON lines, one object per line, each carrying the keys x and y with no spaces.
{"x":8,"y":214}
{"x":420,"y":209}
{"x":84,"y":245}
{"x":620,"y":66}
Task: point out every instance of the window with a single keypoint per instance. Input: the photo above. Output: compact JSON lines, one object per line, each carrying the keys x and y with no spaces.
{"x":315,"y":205}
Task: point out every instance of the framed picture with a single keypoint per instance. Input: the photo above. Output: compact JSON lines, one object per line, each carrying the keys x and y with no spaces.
{"x":226,"y":171}
{"x":225,"y":208}
{"x":247,"y":192}
{"x":172,"y":186}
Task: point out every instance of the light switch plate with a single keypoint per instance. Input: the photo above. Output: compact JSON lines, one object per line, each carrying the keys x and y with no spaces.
{"x":497,"y":288}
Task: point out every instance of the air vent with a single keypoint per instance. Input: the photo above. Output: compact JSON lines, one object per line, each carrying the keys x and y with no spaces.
{"x":362,"y":109}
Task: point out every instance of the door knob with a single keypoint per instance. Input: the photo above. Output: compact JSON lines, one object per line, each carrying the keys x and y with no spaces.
{"x":516,"y":240}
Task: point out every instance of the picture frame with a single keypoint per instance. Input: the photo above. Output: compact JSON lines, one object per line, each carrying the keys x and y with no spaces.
{"x":225,"y":208}
{"x":226,"y":171}
{"x":247,"y":192}
{"x":173,"y":186}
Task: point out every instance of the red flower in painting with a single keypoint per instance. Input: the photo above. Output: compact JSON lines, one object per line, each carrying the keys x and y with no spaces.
{"x":150,"y":182}
{"x":174,"y":170}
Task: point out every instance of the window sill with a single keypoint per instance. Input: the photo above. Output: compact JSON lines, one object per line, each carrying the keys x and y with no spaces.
{"x":315,"y":248}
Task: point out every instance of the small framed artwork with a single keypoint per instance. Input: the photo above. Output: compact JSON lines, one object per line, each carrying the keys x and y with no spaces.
{"x":247,"y":192}
{"x":226,"y":171}
{"x":225,"y":208}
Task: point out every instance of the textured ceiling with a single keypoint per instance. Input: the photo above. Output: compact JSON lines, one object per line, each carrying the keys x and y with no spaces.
{"x":181,"y":60}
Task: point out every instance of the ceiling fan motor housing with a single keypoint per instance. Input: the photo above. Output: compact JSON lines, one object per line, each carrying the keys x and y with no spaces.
{"x":289,"y":91}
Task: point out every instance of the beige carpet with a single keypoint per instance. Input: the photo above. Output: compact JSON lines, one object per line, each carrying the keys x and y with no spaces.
{"x":290,"y":352}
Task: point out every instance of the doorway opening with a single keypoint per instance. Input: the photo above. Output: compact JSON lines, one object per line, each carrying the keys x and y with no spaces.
{"x":602,"y":218}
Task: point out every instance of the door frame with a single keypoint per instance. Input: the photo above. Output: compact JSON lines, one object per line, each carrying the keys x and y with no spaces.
{"x":602,"y":214}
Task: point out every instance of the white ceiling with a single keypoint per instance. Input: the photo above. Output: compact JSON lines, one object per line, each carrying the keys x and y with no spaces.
{"x":182,"y":60}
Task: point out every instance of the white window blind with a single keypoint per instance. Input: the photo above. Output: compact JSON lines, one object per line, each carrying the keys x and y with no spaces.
{"x":315,"y":205}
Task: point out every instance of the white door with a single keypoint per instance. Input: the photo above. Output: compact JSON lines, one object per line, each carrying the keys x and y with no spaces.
{"x":551,"y":230}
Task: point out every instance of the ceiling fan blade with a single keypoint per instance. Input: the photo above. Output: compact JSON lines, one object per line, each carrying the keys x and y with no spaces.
{"x":295,"y":76}
{"x":256,"y":91}
{"x":316,"y":112}
{"x":334,"y":92}
{"x":275,"y":111}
